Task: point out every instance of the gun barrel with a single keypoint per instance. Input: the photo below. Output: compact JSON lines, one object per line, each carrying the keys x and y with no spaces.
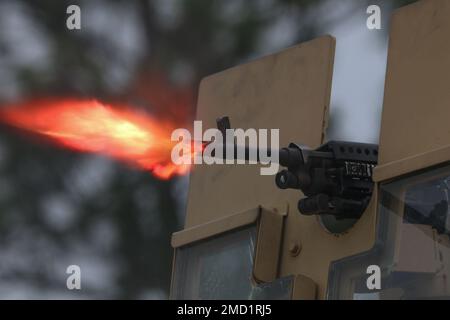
{"x":236,"y":152}
{"x":291,"y":157}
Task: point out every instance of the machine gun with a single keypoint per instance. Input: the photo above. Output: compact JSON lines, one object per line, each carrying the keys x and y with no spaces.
{"x":335,"y":178}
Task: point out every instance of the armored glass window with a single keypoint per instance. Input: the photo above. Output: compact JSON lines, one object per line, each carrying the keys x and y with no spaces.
{"x":221,"y":267}
{"x":412,"y":247}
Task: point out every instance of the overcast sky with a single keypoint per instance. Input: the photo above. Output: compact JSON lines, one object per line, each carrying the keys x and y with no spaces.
{"x":358,"y":80}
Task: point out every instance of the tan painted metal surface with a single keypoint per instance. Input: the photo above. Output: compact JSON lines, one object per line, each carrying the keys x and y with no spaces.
{"x":290,"y":91}
{"x":319,"y":247}
{"x":413,"y":163}
{"x":304,"y":288}
{"x":268,"y":246}
{"x":416,"y":107}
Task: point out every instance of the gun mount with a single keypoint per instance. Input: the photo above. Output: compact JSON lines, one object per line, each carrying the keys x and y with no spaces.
{"x":335,"y":178}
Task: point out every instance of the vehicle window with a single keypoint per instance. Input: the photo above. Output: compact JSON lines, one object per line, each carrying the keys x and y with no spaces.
{"x":221,"y":268}
{"x":412,"y":247}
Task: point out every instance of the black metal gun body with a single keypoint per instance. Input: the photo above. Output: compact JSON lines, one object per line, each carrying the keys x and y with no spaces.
{"x":335,"y":178}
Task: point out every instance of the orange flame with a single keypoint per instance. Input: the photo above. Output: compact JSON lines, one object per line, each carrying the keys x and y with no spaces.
{"x":92,"y":126}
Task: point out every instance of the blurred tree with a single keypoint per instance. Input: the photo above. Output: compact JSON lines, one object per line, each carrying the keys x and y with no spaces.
{"x":58,"y":207}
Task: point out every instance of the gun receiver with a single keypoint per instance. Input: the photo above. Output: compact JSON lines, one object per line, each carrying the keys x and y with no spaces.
{"x":336,"y":178}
